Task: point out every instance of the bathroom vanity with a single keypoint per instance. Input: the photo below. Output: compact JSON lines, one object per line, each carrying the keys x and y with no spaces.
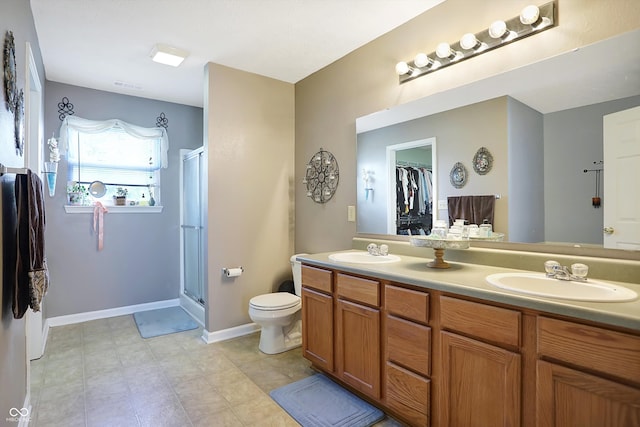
{"x":444,"y":348}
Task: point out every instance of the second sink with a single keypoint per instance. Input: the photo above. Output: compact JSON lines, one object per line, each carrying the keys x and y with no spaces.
{"x":538,"y":284}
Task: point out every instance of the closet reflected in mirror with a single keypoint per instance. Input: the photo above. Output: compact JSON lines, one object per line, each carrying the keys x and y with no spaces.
{"x":408,"y":169}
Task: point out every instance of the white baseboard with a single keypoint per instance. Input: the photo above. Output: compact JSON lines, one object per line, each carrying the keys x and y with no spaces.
{"x":225,"y":334}
{"x":111,"y":312}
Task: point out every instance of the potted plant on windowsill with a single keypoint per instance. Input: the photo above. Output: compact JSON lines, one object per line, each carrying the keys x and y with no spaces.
{"x":77,"y":193}
{"x":121,"y":196}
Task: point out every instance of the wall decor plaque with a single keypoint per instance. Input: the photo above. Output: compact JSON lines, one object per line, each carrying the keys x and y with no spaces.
{"x":9,"y":63}
{"x":482,"y":161}
{"x":458,"y":175}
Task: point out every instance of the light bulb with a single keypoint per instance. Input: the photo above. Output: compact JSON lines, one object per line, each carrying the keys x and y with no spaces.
{"x":530,"y":15}
{"x":443,"y":50}
{"x":422,"y":60}
{"x":402,"y":68}
{"x":497,"y":29}
{"x":469,"y":41}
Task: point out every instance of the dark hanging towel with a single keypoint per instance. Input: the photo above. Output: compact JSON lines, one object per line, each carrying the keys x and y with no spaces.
{"x":474,"y":209}
{"x":32,"y":276}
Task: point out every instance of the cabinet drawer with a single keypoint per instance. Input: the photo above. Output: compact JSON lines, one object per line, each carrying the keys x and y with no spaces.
{"x":493,"y":324}
{"x":408,"y":394}
{"x":358,"y":289}
{"x":316,"y":278}
{"x":599,"y":349}
{"x":409,"y":344}
{"x":407,"y":303}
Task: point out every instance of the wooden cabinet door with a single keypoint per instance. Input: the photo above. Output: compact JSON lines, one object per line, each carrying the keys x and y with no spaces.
{"x":317,"y":328}
{"x":570,"y":398}
{"x":358,"y":346}
{"x":480,"y":384}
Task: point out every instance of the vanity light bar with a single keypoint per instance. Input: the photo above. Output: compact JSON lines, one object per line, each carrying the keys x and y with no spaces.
{"x":532,"y":20}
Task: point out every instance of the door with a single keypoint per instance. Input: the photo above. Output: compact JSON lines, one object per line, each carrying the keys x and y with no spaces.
{"x":621,"y":198}
{"x":192,"y":227}
{"x":33,"y":159}
{"x":570,"y":398}
{"x":358,"y":346}
{"x":317,"y":328}
{"x":480,"y":384}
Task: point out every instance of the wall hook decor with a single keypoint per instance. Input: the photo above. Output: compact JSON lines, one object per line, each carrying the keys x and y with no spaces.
{"x":162,"y":121}
{"x":596,"y":201}
{"x":65,"y":108}
{"x":322,"y":176}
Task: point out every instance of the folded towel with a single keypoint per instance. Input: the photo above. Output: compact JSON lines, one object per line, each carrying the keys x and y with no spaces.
{"x":32,"y":278}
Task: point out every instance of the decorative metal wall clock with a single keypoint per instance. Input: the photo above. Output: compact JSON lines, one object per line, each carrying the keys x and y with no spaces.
{"x":322,"y":176}
{"x":482,"y":161}
{"x":9,"y":62}
{"x":458,"y":175}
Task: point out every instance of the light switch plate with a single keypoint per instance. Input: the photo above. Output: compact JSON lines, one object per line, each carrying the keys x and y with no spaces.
{"x":442,"y":204}
{"x":351,"y":213}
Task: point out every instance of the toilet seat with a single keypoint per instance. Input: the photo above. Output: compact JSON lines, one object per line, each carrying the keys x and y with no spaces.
{"x":274,"y":301}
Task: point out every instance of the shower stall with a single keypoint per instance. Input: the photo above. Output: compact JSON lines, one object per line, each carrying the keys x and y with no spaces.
{"x":192,"y":238}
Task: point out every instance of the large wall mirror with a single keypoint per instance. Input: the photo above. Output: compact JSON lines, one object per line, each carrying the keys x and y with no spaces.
{"x":542,"y":124}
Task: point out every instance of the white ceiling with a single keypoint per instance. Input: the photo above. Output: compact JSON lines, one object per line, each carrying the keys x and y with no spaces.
{"x":105,"y":44}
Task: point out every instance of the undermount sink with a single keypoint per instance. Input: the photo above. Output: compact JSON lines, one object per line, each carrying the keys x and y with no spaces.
{"x":363,"y":258}
{"x":539,"y":284}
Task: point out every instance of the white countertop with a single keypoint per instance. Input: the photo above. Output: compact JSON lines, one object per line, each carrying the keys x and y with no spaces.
{"x":469,"y":280}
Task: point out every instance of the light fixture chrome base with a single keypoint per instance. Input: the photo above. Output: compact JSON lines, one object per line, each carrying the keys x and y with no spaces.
{"x":516,"y":30}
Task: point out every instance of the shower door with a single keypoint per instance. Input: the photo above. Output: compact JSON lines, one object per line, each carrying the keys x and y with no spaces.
{"x":192,"y":238}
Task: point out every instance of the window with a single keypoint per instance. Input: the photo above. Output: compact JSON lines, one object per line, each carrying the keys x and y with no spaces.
{"x":118,"y":154}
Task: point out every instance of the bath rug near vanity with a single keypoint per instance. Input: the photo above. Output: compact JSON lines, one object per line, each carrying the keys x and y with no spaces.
{"x":163,"y":321}
{"x":316,"y":401}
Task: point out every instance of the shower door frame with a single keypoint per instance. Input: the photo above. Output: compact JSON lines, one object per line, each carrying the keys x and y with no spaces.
{"x":196,"y":309}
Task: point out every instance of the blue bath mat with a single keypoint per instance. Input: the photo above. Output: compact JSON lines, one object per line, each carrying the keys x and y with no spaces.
{"x":316,"y":401}
{"x":163,"y":321}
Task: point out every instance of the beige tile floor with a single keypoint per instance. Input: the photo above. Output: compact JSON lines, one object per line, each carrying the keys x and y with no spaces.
{"x":102,"y":373}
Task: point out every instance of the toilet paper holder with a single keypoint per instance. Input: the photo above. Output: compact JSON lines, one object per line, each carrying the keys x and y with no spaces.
{"x":232,"y":272}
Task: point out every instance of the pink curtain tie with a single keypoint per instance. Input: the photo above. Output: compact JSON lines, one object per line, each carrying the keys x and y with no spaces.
{"x":98,"y":213}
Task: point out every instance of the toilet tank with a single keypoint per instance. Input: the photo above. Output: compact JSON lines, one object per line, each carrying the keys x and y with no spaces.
{"x":296,"y":268}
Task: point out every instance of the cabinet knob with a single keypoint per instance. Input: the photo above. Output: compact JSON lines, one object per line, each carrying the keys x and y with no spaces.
{"x":608,"y":230}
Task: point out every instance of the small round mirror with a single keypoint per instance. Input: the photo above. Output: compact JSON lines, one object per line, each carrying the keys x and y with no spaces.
{"x":97,"y":189}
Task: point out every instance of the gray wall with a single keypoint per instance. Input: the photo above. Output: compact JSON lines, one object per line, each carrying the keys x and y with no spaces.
{"x":15,"y":15}
{"x":526,"y":184}
{"x":572,"y":142}
{"x":140,"y":260}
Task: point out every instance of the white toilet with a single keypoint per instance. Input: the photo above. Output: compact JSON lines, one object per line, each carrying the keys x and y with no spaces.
{"x":278,"y":315}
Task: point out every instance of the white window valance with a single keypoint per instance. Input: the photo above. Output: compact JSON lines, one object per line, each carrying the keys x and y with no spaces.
{"x":71,"y":123}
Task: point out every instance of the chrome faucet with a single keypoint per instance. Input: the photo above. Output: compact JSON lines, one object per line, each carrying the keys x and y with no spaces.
{"x":376,"y":250}
{"x":556,"y":271}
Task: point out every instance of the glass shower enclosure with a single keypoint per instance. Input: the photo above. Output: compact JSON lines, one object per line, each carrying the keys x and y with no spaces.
{"x":192,"y":297}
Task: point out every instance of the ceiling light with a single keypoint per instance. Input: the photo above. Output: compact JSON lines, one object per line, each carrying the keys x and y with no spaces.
{"x":530,"y":15}
{"x":402,"y":68}
{"x":422,"y":60}
{"x":444,"y":51}
{"x":168,"y":55}
{"x":498,"y":29}
{"x":469,"y":41}
{"x":531,"y":20}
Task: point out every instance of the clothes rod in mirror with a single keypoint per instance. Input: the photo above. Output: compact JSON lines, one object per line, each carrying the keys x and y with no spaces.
{"x":532,"y":20}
